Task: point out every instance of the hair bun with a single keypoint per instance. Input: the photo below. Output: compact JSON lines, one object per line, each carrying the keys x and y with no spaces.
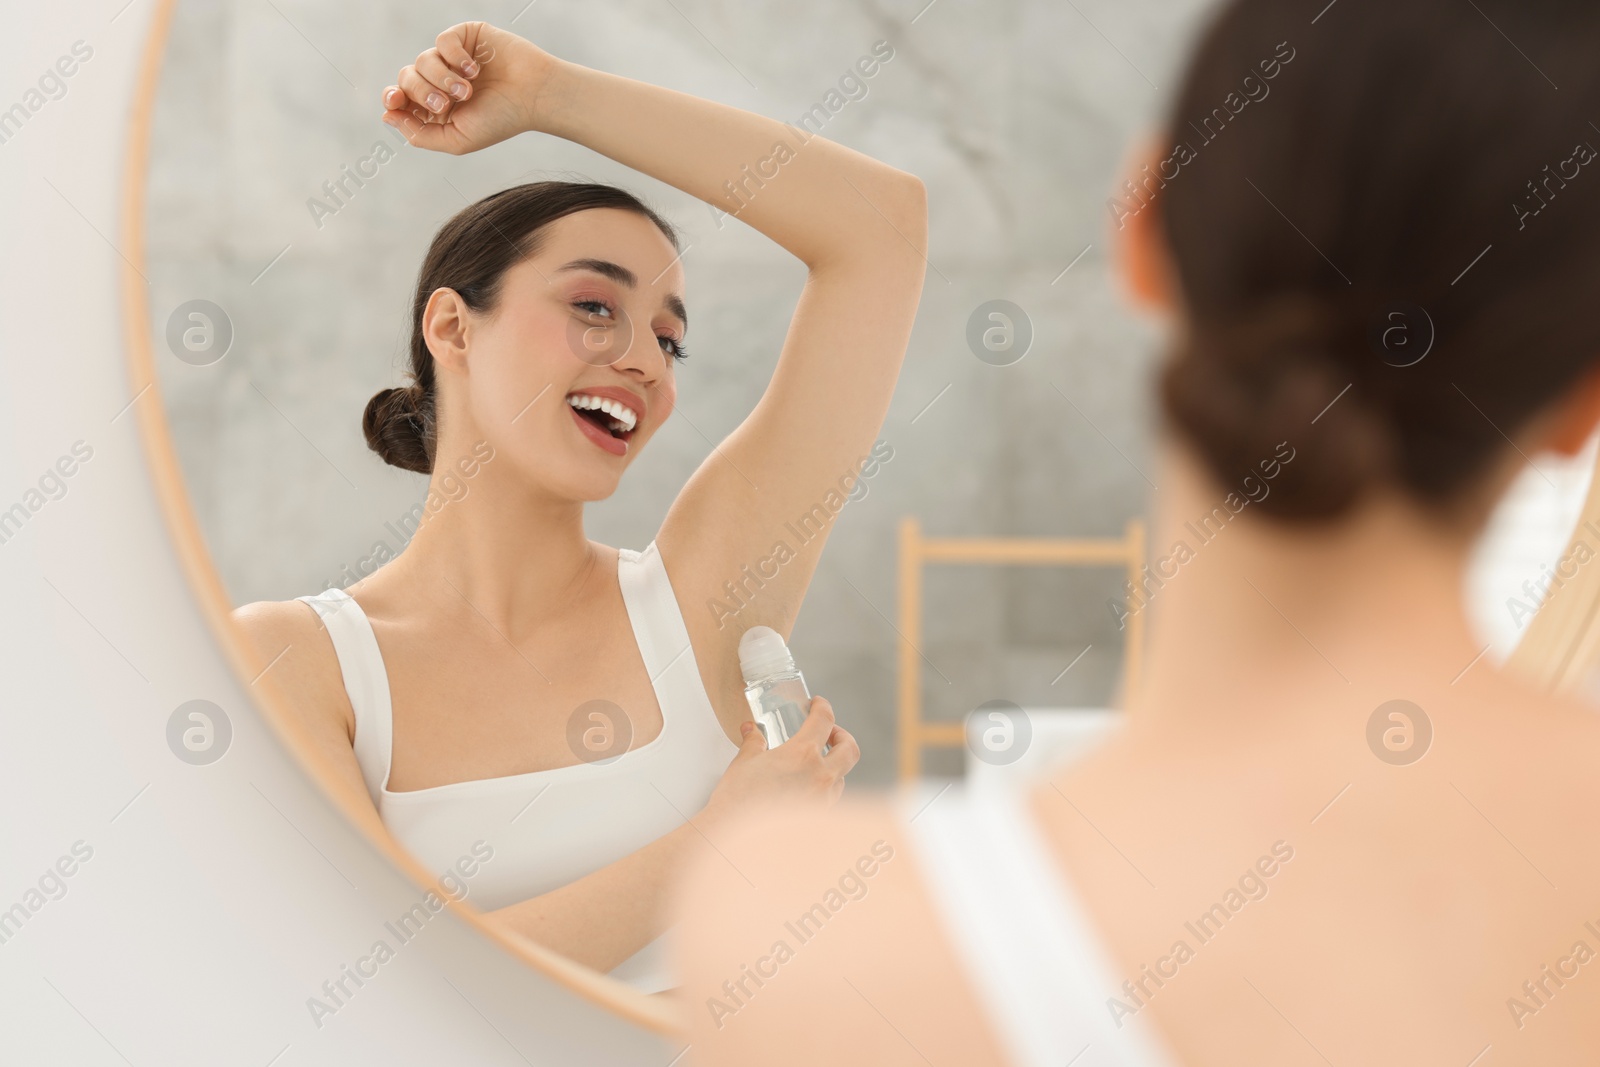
{"x":398,"y":424}
{"x":1241,"y":389}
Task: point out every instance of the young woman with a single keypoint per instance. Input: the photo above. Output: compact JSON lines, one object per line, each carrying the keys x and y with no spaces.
{"x":563,"y":719}
{"x":1329,"y":831}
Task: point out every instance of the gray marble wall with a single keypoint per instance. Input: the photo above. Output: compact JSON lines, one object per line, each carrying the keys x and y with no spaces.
{"x":1016,"y":113}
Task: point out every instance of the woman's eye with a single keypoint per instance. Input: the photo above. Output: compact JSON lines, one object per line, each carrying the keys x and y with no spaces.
{"x":674,"y":348}
{"x":593,"y":307}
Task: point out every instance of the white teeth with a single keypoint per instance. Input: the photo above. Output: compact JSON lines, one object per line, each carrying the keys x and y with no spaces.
{"x":620,"y":413}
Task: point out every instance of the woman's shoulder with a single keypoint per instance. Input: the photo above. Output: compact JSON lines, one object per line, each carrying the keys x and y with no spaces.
{"x":295,"y":655}
{"x":278,"y":625}
{"x":268,"y":618}
{"x":852,"y":869}
{"x":1522,"y":729}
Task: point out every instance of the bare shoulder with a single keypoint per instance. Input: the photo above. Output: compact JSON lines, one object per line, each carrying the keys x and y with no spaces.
{"x":298,"y":663}
{"x":1541,"y":757}
{"x":806,"y":937}
{"x":267,"y":619}
{"x":1529,"y":732}
{"x":292,"y":646}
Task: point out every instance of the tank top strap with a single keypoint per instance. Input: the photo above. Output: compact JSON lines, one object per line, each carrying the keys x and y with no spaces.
{"x":653,"y":610}
{"x":366,"y":682}
{"x":1031,"y":951}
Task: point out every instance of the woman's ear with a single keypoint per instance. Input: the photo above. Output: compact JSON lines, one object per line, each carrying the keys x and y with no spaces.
{"x":1139,"y":246}
{"x":447,"y":329}
{"x":1575,"y":416}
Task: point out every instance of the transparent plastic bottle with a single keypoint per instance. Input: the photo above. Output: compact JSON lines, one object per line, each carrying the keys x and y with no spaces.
{"x":777,"y":693}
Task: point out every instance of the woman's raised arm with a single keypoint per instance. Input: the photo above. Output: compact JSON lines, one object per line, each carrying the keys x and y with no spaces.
{"x":859,"y":225}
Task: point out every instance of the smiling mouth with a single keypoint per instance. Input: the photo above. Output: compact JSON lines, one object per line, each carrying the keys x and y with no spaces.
{"x":609,"y":416}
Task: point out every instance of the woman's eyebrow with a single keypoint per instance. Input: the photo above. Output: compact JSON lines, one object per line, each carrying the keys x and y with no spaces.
{"x":615,"y":271}
{"x":625,"y":277}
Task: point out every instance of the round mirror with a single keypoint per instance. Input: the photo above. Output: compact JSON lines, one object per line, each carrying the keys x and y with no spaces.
{"x":282,"y":227}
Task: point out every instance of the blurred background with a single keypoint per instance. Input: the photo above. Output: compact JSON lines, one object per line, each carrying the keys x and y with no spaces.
{"x":1017,"y":114}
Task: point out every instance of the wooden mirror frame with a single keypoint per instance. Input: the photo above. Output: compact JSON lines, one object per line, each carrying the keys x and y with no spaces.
{"x":1560,"y":649}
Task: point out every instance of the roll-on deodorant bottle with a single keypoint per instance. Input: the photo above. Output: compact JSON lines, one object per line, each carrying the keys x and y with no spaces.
{"x":773,"y":685}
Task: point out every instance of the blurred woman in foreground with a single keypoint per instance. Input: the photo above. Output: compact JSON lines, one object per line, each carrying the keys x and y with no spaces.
{"x":1376,"y":236}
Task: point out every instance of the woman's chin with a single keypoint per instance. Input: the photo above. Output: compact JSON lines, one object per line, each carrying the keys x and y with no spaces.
{"x":577,"y":478}
{"x":599,"y":493}
{"x":592,"y":485}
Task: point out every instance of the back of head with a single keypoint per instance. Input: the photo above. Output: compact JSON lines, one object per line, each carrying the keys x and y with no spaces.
{"x":1392,"y":180}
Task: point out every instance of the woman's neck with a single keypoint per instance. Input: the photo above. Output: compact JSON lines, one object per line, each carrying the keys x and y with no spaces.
{"x":515,"y":553}
{"x":1262,"y":617}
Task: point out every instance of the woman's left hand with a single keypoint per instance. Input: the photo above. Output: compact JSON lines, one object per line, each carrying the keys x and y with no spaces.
{"x":476,"y":87}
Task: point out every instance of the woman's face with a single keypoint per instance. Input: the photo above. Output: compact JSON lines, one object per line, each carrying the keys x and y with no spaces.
{"x":574,"y":370}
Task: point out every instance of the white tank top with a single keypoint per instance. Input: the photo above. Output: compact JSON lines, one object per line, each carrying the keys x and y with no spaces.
{"x":549,"y":828}
{"x":1031,"y":952}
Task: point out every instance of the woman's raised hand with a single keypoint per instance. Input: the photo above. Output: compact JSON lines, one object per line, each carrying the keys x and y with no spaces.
{"x":796,"y":770}
{"x":477,"y":86}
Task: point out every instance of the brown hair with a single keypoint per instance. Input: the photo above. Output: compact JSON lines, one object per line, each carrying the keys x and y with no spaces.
{"x":1389,"y":156}
{"x":470,"y":255}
